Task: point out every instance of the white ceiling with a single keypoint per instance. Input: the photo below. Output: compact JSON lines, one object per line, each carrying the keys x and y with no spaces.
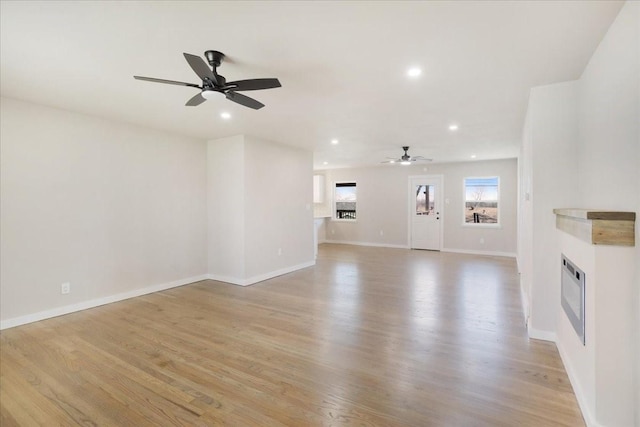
{"x":342,"y":66}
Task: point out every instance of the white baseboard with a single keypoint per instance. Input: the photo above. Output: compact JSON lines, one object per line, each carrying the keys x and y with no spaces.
{"x":459,"y":251}
{"x":260,"y":277}
{"x":578,"y":390}
{"x":475,"y":252}
{"x":226,"y":279}
{"x":59,"y":311}
{"x":377,"y":245}
{"x":538,"y":334}
{"x":84,"y":305}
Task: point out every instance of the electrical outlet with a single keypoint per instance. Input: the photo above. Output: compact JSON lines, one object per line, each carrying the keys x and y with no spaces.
{"x":65,"y":288}
{"x":482,"y":240}
{"x":279,"y":251}
{"x":382,"y":232}
{"x":333,"y":231}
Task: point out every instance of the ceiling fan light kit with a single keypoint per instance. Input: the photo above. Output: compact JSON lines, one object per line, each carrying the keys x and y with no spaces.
{"x":212,"y":82}
{"x":406,"y":159}
{"x":208,"y":94}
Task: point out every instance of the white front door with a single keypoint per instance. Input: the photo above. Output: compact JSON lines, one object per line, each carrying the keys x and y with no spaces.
{"x":425,"y":212}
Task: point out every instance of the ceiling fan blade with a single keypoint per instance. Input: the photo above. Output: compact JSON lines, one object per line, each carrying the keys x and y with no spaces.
{"x":170,"y":82}
{"x":196,"y":100}
{"x":255,"y":84}
{"x":201,"y":68}
{"x":420,"y":158}
{"x":244,"y":100}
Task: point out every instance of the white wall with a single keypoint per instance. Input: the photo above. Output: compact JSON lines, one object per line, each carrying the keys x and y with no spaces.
{"x":609,"y":178}
{"x":601,"y":370}
{"x":382,"y":205}
{"x":608,"y":106}
{"x":260,"y":209}
{"x":525,"y":217}
{"x":111,"y":208}
{"x":118,"y":211}
{"x":496,"y":240}
{"x":550,"y":181}
{"x":582,"y":142}
{"x":278,"y":207}
{"x":225,"y":207}
{"x":323,"y":209}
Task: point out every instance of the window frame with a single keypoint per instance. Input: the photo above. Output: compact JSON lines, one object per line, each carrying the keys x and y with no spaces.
{"x":498,"y":223}
{"x":334,"y":213}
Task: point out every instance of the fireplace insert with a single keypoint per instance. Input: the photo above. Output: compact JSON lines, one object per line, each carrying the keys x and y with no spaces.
{"x":573,"y":282}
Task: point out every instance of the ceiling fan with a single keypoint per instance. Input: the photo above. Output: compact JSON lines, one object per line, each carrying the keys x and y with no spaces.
{"x":213,"y":82}
{"x":406,"y":159}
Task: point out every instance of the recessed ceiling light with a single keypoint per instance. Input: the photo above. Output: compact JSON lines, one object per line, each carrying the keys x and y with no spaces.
{"x":225,"y":115}
{"x":414,"y":72}
{"x":453,"y":127}
{"x":325,"y":163}
{"x":473,"y":156}
{"x":335,"y":141}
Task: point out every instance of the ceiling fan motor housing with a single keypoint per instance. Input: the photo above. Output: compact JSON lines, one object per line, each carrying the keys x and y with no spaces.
{"x":405,"y":157}
{"x":214,"y":57}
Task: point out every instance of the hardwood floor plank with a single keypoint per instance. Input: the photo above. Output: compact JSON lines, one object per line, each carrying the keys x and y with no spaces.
{"x":368,"y":336}
{"x":24,"y":407}
{"x":63,"y":393}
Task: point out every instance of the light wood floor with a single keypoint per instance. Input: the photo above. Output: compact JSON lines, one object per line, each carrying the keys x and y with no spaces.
{"x":367,"y":337}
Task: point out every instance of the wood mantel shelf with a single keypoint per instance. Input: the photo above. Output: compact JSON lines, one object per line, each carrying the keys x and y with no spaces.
{"x":598,"y":227}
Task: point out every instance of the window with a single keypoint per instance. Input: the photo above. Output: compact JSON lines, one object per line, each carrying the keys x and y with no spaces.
{"x":424,"y":199}
{"x":345,"y":201}
{"x":481,"y":200}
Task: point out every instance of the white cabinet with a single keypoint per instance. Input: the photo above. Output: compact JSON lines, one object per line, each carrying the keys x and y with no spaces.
{"x":318,"y":188}
{"x":317,"y":228}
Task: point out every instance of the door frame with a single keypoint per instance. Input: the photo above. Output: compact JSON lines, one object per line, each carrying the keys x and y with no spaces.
{"x":439,"y":202}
